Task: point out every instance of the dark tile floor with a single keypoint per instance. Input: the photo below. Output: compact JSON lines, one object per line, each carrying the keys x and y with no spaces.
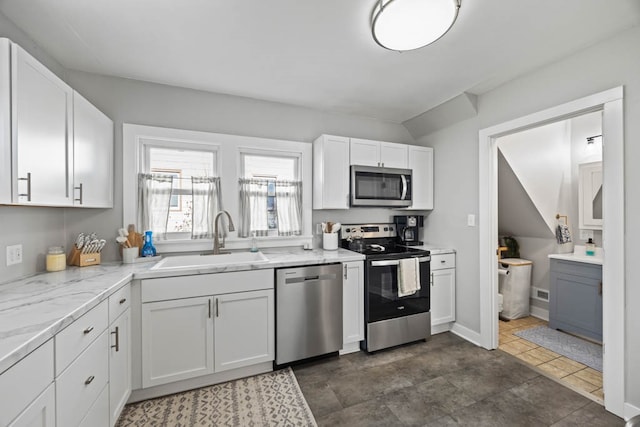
{"x":443,"y":382}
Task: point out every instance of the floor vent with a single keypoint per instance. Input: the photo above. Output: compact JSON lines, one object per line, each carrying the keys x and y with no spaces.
{"x":539,"y":294}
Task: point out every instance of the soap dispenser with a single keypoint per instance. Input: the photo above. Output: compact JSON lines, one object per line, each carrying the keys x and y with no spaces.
{"x":148,"y":249}
{"x":254,"y":243}
{"x":590,"y":247}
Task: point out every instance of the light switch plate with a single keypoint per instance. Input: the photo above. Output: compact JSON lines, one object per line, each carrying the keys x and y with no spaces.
{"x":471,"y":220}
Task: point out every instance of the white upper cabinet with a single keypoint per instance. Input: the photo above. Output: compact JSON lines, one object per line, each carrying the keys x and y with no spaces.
{"x":421,"y":163}
{"x":93,"y":155}
{"x":331,"y":172}
{"x":377,"y":153}
{"x":41,"y":124}
{"x":44,"y":151}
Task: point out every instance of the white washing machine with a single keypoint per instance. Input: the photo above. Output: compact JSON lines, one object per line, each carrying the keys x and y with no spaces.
{"x":514,"y":284}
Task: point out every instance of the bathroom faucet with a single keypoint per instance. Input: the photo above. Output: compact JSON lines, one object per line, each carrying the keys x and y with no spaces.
{"x":216,"y":239}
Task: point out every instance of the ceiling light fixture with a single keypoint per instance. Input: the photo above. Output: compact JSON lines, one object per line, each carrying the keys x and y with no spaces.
{"x":403,"y":25}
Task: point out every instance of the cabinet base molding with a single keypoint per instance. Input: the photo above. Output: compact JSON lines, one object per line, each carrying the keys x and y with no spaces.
{"x":443,"y":327}
{"x":206,"y":380}
{"x":352,"y":347}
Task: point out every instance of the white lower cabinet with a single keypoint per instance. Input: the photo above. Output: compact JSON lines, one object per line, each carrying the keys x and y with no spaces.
{"x":193,"y":326}
{"x":119,"y":365}
{"x":177,"y":340}
{"x":82,"y":382}
{"x":352,"y":306}
{"x":443,"y":289}
{"x":243,"y":329}
{"x":41,"y":412}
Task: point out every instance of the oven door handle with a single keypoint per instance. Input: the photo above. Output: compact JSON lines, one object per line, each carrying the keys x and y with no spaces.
{"x":396,"y":262}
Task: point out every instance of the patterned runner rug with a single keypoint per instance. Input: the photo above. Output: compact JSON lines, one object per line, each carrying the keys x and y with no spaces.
{"x":567,"y":345}
{"x":271,"y":399}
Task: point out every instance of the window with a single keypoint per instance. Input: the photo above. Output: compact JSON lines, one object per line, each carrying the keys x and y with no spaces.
{"x":271,"y":195}
{"x":178,"y":165}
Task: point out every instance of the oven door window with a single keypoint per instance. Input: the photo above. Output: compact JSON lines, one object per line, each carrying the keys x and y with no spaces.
{"x":383,"y":301}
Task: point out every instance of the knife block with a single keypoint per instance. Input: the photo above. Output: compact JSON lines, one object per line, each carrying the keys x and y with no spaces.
{"x":76,"y":257}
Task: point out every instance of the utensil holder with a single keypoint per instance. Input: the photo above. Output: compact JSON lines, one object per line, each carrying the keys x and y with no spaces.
{"x":77,"y":258}
{"x":330,"y":241}
{"x":129,"y":255}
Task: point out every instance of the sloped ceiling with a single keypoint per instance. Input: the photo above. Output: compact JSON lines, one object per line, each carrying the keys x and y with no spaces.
{"x":517,"y":215}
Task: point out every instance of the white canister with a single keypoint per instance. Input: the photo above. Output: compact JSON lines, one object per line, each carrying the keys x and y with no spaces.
{"x":330,"y":241}
{"x":129,"y":255}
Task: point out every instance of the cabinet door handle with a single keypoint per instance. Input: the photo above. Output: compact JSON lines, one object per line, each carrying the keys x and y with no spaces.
{"x":88,"y":330}
{"x":345,"y":271}
{"x":600,"y":288}
{"x":431,"y":279}
{"x":79,"y":188}
{"x":28,"y":193}
{"x":209,"y":308}
{"x":217,"y":307}
{"x":123,"y":300}
{"x":89,"y":380}
{"x":117,"y":334}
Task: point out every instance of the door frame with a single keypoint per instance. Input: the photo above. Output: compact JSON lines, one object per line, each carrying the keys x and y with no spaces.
{"x":610,"y":102}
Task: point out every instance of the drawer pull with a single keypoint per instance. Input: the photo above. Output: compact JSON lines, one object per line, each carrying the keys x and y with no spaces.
{"x":89,"y":380}
{"x":117,"y":334}
{"x":88,"y":330}
{"x":442,"y":261}
{"x":123,"y":300}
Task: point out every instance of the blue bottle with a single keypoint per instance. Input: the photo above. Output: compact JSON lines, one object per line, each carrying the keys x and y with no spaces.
{"x":148,"y":249}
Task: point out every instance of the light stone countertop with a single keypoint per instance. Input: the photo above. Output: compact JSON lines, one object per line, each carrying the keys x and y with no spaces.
{"x":35,"y":308}
{"x":578,"y":255}
{"x":435,"y":249}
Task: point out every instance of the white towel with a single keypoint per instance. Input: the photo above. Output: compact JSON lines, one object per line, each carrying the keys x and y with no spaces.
{"x":408,"y":277}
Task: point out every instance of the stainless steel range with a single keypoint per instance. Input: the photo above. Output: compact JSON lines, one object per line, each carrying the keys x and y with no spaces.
{"x":391,"y":319}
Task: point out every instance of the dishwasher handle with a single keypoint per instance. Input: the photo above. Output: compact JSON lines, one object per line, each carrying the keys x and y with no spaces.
{"x":315,"y":278}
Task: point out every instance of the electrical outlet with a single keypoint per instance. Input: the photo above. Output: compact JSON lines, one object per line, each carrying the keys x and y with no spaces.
{"x":586,"y":234}
{"x":14,"y":254}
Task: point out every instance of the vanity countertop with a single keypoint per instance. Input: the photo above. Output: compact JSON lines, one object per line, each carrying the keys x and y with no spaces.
{"x":579,"y":255}
{"x":35,"y":308}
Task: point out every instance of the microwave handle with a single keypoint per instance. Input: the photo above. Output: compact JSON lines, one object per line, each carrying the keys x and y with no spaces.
{"x":395,"y":262}
{"x":404,"y":187}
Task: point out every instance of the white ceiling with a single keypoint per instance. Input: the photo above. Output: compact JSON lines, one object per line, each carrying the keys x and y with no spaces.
{"x":315,"y":53}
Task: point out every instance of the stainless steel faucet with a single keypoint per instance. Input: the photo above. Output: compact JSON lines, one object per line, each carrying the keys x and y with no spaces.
{"x":216,"y":239}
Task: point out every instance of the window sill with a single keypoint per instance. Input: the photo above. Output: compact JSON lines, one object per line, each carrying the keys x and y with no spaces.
{"x":199,"y":245}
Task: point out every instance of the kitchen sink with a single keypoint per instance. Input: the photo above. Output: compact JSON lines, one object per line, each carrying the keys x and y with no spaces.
{"x":192,"y":261}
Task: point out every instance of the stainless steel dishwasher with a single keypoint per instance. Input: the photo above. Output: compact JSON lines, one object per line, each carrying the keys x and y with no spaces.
{"x":308,"y":312}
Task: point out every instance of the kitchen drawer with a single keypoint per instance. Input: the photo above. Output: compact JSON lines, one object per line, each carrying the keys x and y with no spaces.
{"x":440,"y":261}
{"x":170,"y":288}
{"x":119,"y":302}
{"x":98,"y":415}
{"x":24,"y":381}
{"x":78,"y":335}
{"x":80,"y":385}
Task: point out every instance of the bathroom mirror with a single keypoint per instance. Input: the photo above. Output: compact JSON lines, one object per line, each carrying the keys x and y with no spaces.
{"x":590,"y":196}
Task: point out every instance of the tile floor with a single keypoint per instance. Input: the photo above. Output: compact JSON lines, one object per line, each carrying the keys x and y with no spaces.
{"x":445,"y":381}
{"x":575,"y":375}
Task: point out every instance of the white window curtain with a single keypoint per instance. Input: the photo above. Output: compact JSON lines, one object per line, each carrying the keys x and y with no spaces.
{"x":253,"y":207}
{"x":154,"y":195}
{"x":207,"y":202}
{"x":289,"y":207}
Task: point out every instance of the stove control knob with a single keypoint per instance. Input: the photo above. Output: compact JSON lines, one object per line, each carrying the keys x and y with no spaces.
{"x":347,"y":230}
{"x":386,"y":229}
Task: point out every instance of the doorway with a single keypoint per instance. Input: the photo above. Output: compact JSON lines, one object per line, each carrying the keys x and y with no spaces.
{"x":611,"y":104}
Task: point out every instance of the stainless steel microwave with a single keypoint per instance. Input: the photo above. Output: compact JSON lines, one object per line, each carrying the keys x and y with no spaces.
{"x":379,"y":186}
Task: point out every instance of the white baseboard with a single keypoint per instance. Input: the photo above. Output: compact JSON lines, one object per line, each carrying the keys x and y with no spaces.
{"x":630,"y":411}
{"x":540,"y":313}
{"x":350,"y":348}
{"x":467,"y":334}
{"x":443,"y":327}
